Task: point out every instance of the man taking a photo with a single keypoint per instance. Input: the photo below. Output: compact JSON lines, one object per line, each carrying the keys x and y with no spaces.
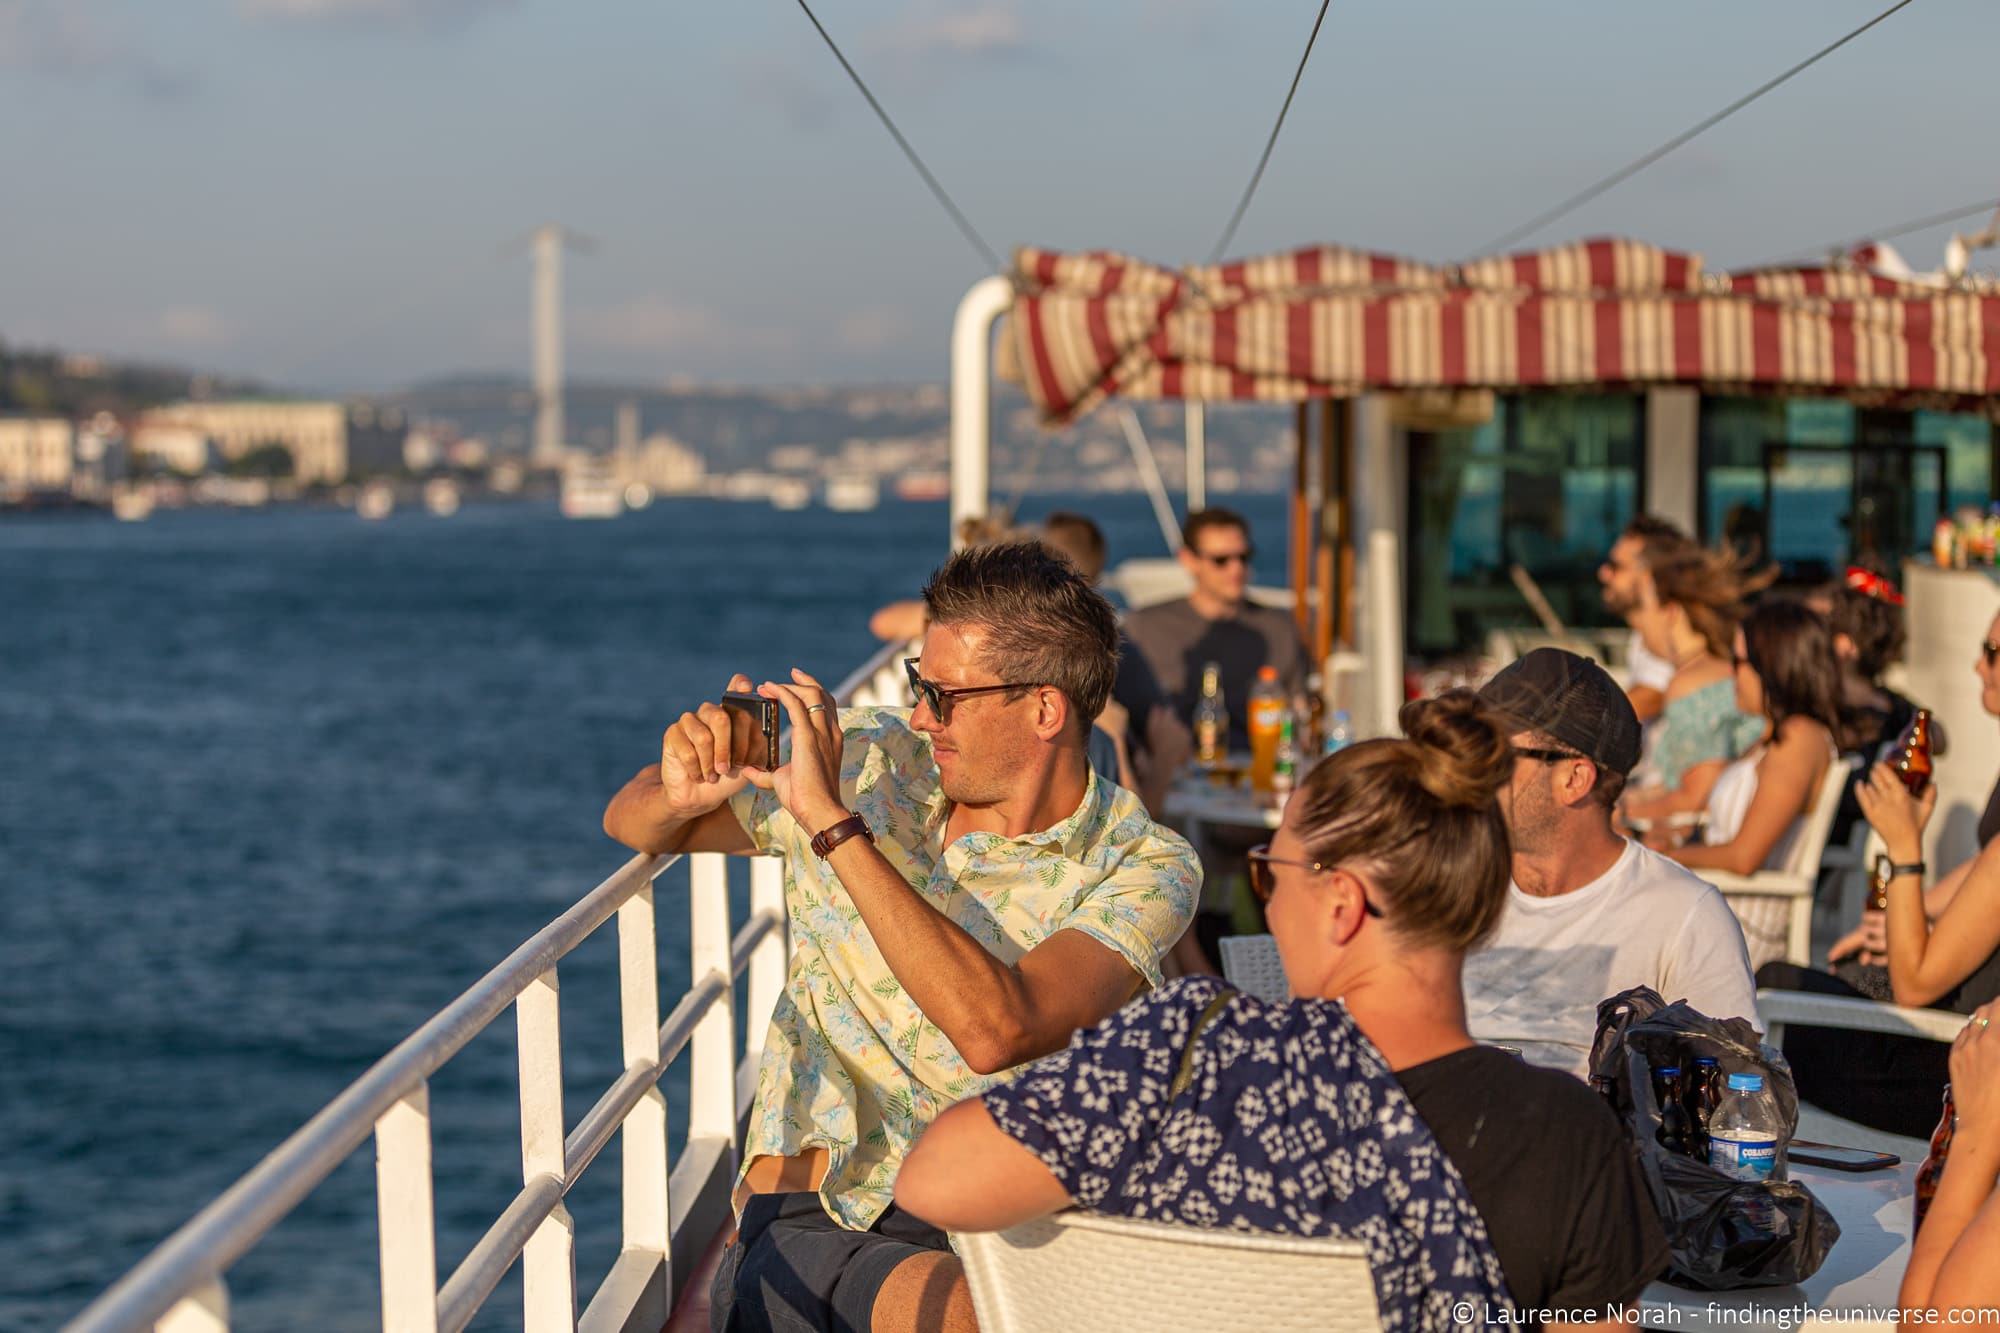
{"x":964,"y":894}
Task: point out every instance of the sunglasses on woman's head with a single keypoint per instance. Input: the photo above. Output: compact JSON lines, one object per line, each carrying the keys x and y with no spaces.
{"x":1264,"y":880}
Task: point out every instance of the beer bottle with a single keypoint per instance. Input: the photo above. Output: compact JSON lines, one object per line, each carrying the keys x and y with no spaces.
{"x":1913,"y":753}
{"x":1704,"y":1090}
{"x":1878,"y":884}
{"x":1211,"y":720}
{"x":1932,"y":1170}
{"x":1673,"y":1135}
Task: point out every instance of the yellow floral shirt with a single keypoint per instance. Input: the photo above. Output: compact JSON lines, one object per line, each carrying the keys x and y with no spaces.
{"x":850,"y":1064}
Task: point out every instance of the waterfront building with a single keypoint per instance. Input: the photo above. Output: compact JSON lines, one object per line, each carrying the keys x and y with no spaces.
{"x":329,"y":442}
{"x":37,"y":453}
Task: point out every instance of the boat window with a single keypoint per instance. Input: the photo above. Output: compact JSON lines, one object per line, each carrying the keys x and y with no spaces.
{"x":1548,"y":484}
{"x":1815,"y":484}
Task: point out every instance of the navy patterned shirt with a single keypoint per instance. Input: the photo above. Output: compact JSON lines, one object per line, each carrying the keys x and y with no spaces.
{"x":1291,"y":1122}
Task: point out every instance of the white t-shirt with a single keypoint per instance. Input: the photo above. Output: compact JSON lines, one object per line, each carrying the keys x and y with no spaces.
{"x":1647,"y":921}
{"x":1643,"y":666}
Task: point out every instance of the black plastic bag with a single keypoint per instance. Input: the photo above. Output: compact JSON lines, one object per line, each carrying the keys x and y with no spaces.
{"x":1723,"y":1233}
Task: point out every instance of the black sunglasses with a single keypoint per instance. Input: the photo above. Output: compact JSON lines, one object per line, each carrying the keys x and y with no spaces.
{"x":939,"y":698}
{"x":1227,"y":558}
{"x":1264,"y":880}
{"x":1990,"y":651}
{"x":1547,"y":756}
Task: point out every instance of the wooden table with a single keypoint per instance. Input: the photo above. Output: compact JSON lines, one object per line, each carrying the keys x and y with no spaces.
{"x":1854,"y":1290}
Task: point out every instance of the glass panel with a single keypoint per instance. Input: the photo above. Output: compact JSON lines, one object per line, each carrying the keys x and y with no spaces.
{"x":1547,"y":484}
{"x":1967,"y":442}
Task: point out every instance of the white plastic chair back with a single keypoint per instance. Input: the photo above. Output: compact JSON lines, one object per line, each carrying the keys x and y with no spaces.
{"x":1776,"y":906}
{"x":1778,"y":1008}
{"x":1252,"y":965}
{"x":1080,"y":1271}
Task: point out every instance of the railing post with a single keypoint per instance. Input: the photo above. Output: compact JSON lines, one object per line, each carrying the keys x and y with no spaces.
{"x":405,"y":1216}
{"x":203,"y":1310}
{"x":768,"y":960}
{"x":712,"y":1050}
{"x":644,"y":1136}
{"x":548,"y":1264}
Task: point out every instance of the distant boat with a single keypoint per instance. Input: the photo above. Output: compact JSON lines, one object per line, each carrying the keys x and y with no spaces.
{"x":441,"y":496}
{"x":132,"y":504}
{"x":790,"y":494}
{"x":852,"y":493}
{"x":377,"y":500}
{"x":590,"y":491}
{"x":924,"y":486}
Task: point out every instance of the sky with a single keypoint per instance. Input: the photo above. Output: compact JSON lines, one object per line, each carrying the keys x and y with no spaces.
{"x":334,"y":195}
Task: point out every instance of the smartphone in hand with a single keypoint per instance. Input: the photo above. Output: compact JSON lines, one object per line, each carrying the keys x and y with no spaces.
{"x":755,"y":745}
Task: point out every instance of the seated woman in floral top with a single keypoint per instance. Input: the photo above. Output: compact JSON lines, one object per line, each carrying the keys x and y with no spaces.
{"x":1361,"y":1108}
{"x":1689,"y":617}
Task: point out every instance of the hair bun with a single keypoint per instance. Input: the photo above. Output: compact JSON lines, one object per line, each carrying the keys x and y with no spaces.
{"x":1463,"y":753}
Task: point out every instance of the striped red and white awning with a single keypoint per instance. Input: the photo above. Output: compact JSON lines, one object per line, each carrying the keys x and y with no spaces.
{"x":1328,"y":321}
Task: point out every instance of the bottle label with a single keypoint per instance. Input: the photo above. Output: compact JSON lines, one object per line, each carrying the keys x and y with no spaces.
{"x":1744,"y":1159}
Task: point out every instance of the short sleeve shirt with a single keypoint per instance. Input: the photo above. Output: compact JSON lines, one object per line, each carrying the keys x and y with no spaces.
{"x":851,"y":1064}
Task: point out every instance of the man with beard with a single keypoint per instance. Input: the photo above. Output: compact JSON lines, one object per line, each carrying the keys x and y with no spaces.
{"x":1626,"y":577}
{"x":1589,"y":913}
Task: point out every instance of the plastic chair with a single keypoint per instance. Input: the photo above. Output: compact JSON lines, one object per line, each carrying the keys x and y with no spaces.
{"x":1080,"y":1270}
{"x":1252,"y":965}
{"x":1793,"y":883}
{"x":1776,"y":1008}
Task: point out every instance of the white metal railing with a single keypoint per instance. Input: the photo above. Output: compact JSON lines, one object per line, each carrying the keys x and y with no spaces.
{"x":667,"y":1212}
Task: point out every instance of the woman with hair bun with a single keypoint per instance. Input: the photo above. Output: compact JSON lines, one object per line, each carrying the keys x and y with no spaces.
{"x":1360,"y":1107}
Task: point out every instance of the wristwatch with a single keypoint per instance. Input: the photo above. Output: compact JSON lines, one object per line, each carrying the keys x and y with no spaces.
{"x":1886,"y":870}
{"x":833,"y":835}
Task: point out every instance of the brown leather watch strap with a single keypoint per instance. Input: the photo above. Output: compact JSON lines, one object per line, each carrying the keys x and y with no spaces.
{"x":831,"y":837}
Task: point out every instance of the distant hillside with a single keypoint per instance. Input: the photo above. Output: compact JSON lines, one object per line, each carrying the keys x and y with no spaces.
{"x":45,"y":380}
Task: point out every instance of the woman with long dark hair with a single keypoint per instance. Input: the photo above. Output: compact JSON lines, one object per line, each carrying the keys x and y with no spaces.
{"x":1361,"y":1107}
{"x":1787,"y":675}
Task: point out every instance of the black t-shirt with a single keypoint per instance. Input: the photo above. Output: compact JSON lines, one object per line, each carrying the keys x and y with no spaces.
{"x":1178,"y":641}
{"x":1554,"y":1177}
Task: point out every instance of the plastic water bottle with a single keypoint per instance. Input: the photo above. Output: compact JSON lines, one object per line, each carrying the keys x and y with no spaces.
{"x":1339,"y":732}
{"x":1746,"y":1135}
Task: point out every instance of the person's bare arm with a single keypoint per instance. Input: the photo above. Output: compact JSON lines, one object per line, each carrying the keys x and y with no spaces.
{"x":968,"y":1174}
{"x":1951,"y":1262}
{"x":1647,"y":701}
{"x":681,"y":804}
{"x":996,"y":1014}
{"x":1689,"y":797}
{"x":899,"y":622}
{"x":1925,"y":963}
{"x":1786,"y":777}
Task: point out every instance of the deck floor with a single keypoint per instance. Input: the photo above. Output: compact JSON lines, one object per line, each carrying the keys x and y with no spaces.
{"x":691,"y":1315}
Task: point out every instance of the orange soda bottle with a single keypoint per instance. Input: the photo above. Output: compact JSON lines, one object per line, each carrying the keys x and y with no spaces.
{"x":1266,"y":721}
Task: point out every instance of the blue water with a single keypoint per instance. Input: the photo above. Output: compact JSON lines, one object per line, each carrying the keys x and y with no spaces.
{"x":275,"y":787}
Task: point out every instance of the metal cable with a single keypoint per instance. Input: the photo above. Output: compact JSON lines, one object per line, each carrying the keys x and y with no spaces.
{"x":1243,"y":204}
{"x":1638,"y":165}
{"x":1883,"y":234}
{"x":965,"y":226}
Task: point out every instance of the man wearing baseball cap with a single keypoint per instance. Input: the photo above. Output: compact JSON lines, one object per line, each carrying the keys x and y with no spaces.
{"x":1589,"y":913}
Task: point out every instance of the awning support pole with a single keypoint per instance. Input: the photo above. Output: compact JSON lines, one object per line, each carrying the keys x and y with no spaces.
{"x":1197,"y":455}
{"x":1303,"y":531}
{"x":972,"y":399}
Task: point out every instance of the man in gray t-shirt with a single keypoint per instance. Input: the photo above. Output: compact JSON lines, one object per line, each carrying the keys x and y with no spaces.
{"x":1217,"y":623}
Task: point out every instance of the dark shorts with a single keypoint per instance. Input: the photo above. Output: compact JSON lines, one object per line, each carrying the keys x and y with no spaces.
{"x":794,"y":1268}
